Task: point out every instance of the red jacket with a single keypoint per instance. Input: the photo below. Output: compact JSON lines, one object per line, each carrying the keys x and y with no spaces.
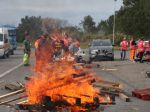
{"x":148,"y":47}
{"x":66,"y":42}
{"x":141,"y":46}
{"x":124,"y":45}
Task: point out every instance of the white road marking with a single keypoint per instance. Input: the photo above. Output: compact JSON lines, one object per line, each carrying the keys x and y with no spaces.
{"x":10,"y":70}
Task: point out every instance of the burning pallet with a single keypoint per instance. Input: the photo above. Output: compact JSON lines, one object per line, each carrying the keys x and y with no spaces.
{"x":58,"y":106}
{"x":105,"y":95}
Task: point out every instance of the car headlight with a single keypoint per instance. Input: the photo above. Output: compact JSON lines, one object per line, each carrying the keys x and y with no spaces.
{"x":93,"y":51}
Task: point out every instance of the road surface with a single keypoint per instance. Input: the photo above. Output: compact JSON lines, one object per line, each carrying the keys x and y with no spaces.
{"x":130,"y":75}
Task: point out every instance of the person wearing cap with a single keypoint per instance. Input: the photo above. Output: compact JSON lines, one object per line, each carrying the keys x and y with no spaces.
{"x":124,"y":47}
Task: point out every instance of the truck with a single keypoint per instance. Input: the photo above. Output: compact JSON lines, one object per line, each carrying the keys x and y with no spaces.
{"x":4,"y":44}
{"x":11,"y":32}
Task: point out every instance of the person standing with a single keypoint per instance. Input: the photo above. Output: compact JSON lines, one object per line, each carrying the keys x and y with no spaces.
{"x":147,"y":50}
{"x":27,"y":49}
{"x":140,"y":49}
{"x":132,"y":48}
{"x":124,"y":47}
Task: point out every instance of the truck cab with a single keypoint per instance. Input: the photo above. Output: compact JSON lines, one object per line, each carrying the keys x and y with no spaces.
{"x":4,"y":43}
{"x":11,"y":37}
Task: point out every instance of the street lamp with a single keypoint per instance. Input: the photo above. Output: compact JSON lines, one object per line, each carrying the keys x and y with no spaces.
{"x":114,"y":21}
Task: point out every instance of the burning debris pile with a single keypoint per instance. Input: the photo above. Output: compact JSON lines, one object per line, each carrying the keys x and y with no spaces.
{"x":61,"y":85}
{"x":64,"y":85}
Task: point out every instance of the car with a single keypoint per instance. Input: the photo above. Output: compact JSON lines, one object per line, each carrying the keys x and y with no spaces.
{"x":101,"y":49}
{"x":80,"y":56}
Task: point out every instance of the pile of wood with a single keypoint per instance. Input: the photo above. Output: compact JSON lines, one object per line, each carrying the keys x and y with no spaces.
{"x":111,"y":88}
{"x":16,"y":92}
{"x":104,"y":86}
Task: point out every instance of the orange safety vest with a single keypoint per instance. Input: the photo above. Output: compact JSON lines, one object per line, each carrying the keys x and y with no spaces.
{"x":36,"y":44}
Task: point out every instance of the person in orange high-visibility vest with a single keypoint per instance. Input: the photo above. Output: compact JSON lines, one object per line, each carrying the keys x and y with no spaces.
{"x":36,"y":46}
{"x":124,"y":47}
{"x":132,"y":48}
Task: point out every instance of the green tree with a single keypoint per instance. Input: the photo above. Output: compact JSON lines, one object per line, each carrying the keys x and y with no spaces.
{"x":30,"y":24}
{"x":106,"y":26}
{"x":88,"y":24}
{"x":134,"y":18}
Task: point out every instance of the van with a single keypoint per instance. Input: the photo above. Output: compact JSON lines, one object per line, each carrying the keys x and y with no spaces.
{"x":4,"y":43}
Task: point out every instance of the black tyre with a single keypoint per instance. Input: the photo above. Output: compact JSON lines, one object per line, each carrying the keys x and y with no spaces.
{"x":112,"y":59}
{"x":7,"y":55}
{"x":90,"y":60}
{"x":12,"y":52}
{"x":4,"y":56}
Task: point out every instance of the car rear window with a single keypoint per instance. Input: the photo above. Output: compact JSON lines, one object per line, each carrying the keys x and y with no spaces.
{"x":101,"y":43}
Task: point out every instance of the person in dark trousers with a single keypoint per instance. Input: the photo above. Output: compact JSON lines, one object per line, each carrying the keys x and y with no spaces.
{"x":147,"y":51}
{"x":124,"y":47}
{"x":141,"y":50}
{"x":27,"y":47}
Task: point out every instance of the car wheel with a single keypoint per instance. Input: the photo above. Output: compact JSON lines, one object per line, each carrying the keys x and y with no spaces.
{"x":7,"y":55}
{"x":112,"y":59}
{"x":90,"y":60}
{"x":4,"y":56}
{"x":12,"y":52}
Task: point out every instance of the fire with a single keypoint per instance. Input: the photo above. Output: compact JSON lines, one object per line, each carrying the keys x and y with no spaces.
{"x":59,"y":80}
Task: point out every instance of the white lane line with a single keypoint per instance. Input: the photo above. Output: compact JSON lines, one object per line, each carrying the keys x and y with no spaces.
{"x":10,"y":70}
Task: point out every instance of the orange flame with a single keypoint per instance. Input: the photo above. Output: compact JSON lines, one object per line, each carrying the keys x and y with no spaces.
{"x":56,"y":79}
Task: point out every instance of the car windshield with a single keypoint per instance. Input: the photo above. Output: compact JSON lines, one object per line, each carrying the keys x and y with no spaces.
{"x":1,"y":37}
{"x":101,"y":43}
{"x":12,"y":32}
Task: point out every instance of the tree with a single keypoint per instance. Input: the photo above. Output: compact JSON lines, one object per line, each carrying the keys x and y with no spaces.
{"x":106,"y":26}
{"x":134,"y":17}
{"x":88,"y":24}
{"x":50,"y":24}
{"x":30,"y":24}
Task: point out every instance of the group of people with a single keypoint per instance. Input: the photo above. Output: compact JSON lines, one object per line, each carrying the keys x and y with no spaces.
{"x":55,"y":46}
{"x":50,"y":47}
{"x":137,"y":49}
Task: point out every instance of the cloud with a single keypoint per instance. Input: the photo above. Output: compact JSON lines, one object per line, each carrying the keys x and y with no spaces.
{"x":72,"y":10}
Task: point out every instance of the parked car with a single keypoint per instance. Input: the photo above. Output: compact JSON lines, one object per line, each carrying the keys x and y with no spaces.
{"x":101,"y":49}
{"x":80,"y":56}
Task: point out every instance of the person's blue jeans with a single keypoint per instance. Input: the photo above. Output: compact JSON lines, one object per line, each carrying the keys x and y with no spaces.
{"x":123,"y":54}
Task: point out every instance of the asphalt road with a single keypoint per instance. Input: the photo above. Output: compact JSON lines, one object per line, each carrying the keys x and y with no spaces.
{"x":129,"y":74}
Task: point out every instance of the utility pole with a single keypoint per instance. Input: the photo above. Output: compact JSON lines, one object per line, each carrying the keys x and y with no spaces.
{"x":114,"y":22}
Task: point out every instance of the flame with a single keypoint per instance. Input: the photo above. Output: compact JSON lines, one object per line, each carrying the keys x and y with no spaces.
{"x":55,"y":79}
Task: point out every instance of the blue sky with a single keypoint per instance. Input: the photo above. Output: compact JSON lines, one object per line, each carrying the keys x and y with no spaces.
{"x":11,"y":11}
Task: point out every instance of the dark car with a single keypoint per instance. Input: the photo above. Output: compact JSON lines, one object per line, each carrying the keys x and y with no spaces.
{"x":101,"y":49}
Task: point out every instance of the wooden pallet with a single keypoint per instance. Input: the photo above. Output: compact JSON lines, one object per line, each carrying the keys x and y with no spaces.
{"x":143,"y":94}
